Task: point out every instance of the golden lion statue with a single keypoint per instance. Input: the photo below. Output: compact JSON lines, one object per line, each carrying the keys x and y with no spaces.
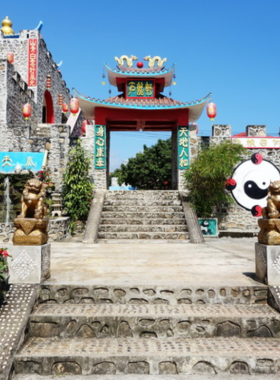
{"x":32,"y":200}
{"x":272,"y":211}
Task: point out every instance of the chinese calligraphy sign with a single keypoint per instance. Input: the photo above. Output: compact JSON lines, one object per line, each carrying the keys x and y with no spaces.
{"x":32,"y":161}
{"x":32,"y":62}
{"x":136,"y":88}
{"x":183,"y":148}
{"x":100,"y":147}
{"x":258,"y":142}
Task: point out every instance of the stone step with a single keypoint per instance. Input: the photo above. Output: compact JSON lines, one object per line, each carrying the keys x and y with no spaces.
{"x":231,"y":376}
{"x":143,"y":215}
{"x":53,"y":356}
{"x":135,"y":221}
{"x":143,"y":208}
{"x":143,"y":235}
{"x":143,"y":295}
{"x":141,"y":202}
{"x":157,"y":194}
{"x":143,"y":241}
{"x":142,"y":228}
{"x":154,"y":321}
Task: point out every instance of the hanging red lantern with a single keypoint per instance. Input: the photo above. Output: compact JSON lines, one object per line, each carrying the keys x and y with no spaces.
{"x":49,"y":82}
{"x":26,"y":111}
{"x":10,"y":57}
{"x":84,"y":127}
{"x":211,"y":111}
{"x":60,"y":100}
{"x":74,"y":106}
{"x":64,"y":107}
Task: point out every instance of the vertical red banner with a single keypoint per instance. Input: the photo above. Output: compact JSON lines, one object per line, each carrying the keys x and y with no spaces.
{"x":32,"y":62}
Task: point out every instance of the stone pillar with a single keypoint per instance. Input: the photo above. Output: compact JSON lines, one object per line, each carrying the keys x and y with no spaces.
{"x":183,"y":154}
{"x":256,"y":130}
{"x":174,"y":147}
{"x":100,"y":157}
{"x":268,"y":263}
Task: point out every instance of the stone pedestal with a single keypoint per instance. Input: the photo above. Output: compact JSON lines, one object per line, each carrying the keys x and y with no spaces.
{"x":268,"y":263}
{"x":29,"y":264}
{"x":270,"y":231}
{"x":30,"y":231}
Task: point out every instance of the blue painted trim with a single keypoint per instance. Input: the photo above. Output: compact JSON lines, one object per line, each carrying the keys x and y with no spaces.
{"x":40,"y":26}
{"x":152,"y":107}
{"x":12,"y":36}
{"x":117,"y":71}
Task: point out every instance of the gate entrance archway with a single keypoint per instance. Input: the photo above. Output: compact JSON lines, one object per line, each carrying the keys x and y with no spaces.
{"x":141,"y":106}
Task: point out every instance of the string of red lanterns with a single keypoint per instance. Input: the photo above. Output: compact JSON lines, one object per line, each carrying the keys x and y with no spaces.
{"x":60,"y":100}
{"x":49,"y":82}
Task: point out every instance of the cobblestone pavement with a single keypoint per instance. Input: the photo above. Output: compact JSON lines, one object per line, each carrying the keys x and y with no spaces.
{"x":14,"y":314}
{"x":39,"y":347}
{"x":157,"y":310}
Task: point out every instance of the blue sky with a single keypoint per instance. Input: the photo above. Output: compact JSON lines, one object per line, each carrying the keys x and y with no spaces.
{"x":227,"y":47}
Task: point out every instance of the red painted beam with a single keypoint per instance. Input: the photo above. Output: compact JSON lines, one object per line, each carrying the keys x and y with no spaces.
{"x":104,"y":115}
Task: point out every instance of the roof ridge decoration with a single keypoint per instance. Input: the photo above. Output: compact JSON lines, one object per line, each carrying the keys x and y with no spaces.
{"x":129,"y":61}
{"x":152,"y":61}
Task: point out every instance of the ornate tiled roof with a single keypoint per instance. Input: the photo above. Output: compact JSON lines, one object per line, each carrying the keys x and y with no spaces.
{"x":161,"y":101}
{"x":88,"y":104}
{"x":126,"y":72}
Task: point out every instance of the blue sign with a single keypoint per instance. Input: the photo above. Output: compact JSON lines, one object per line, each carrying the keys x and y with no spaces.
{"x":13,"y":162}
{"x":209,"y":226}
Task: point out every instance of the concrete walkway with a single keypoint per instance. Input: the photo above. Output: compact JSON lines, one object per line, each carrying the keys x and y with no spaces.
{"x":223,"y":261}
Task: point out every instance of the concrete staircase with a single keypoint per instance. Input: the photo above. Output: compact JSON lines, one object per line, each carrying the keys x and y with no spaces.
{"x":148,"y":216}
{"x":194,"y":331}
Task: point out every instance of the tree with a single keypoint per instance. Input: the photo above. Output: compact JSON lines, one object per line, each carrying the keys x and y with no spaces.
{"x":207,"y":175}
{"x":77,"y":188}
{"x":148,"y":170}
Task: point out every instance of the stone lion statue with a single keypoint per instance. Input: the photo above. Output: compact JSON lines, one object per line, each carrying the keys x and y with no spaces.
{"x":272,"y":211}
{"x":32,"y":200}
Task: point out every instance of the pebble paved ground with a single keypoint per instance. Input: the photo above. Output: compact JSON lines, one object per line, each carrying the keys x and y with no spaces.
{"x":13,"y":317}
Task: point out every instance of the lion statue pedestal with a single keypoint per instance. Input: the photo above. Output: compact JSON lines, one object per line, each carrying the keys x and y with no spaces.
{"x":31,"y":253}
{"x":267,"y":249}
{"x":32,"y":223}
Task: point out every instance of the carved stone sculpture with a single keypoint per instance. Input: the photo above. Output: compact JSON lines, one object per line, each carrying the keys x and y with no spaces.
{"x":32,"y":223}
{"x":270,"y":224}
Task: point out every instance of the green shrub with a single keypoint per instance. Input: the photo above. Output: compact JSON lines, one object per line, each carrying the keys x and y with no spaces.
{"x":207,"y":175}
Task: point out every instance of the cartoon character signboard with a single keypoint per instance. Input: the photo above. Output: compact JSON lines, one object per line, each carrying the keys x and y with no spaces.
{"x":250,"y":181}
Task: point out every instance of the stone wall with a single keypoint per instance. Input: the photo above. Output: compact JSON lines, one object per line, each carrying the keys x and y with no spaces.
{"x":46,"y":66}
{"x":51,"y":138}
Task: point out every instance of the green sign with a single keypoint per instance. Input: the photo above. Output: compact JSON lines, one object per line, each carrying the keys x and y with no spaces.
{"x":142,"y":88}
{"x":208,"y":226}
{"x":100,"y":147}
{"x":183,"y":148}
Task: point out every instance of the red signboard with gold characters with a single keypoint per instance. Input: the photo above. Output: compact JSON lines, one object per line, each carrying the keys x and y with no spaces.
{"x":32,"y":62}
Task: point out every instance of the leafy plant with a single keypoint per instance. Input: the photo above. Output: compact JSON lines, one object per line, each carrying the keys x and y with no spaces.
{"x":77,"y":189}
{"x":148,"y":170}
{"x":3,"y":271}
{"x":207,"y":175}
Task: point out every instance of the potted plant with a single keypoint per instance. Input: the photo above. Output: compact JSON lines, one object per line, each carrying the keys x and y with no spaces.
{"x":4,"y":273}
